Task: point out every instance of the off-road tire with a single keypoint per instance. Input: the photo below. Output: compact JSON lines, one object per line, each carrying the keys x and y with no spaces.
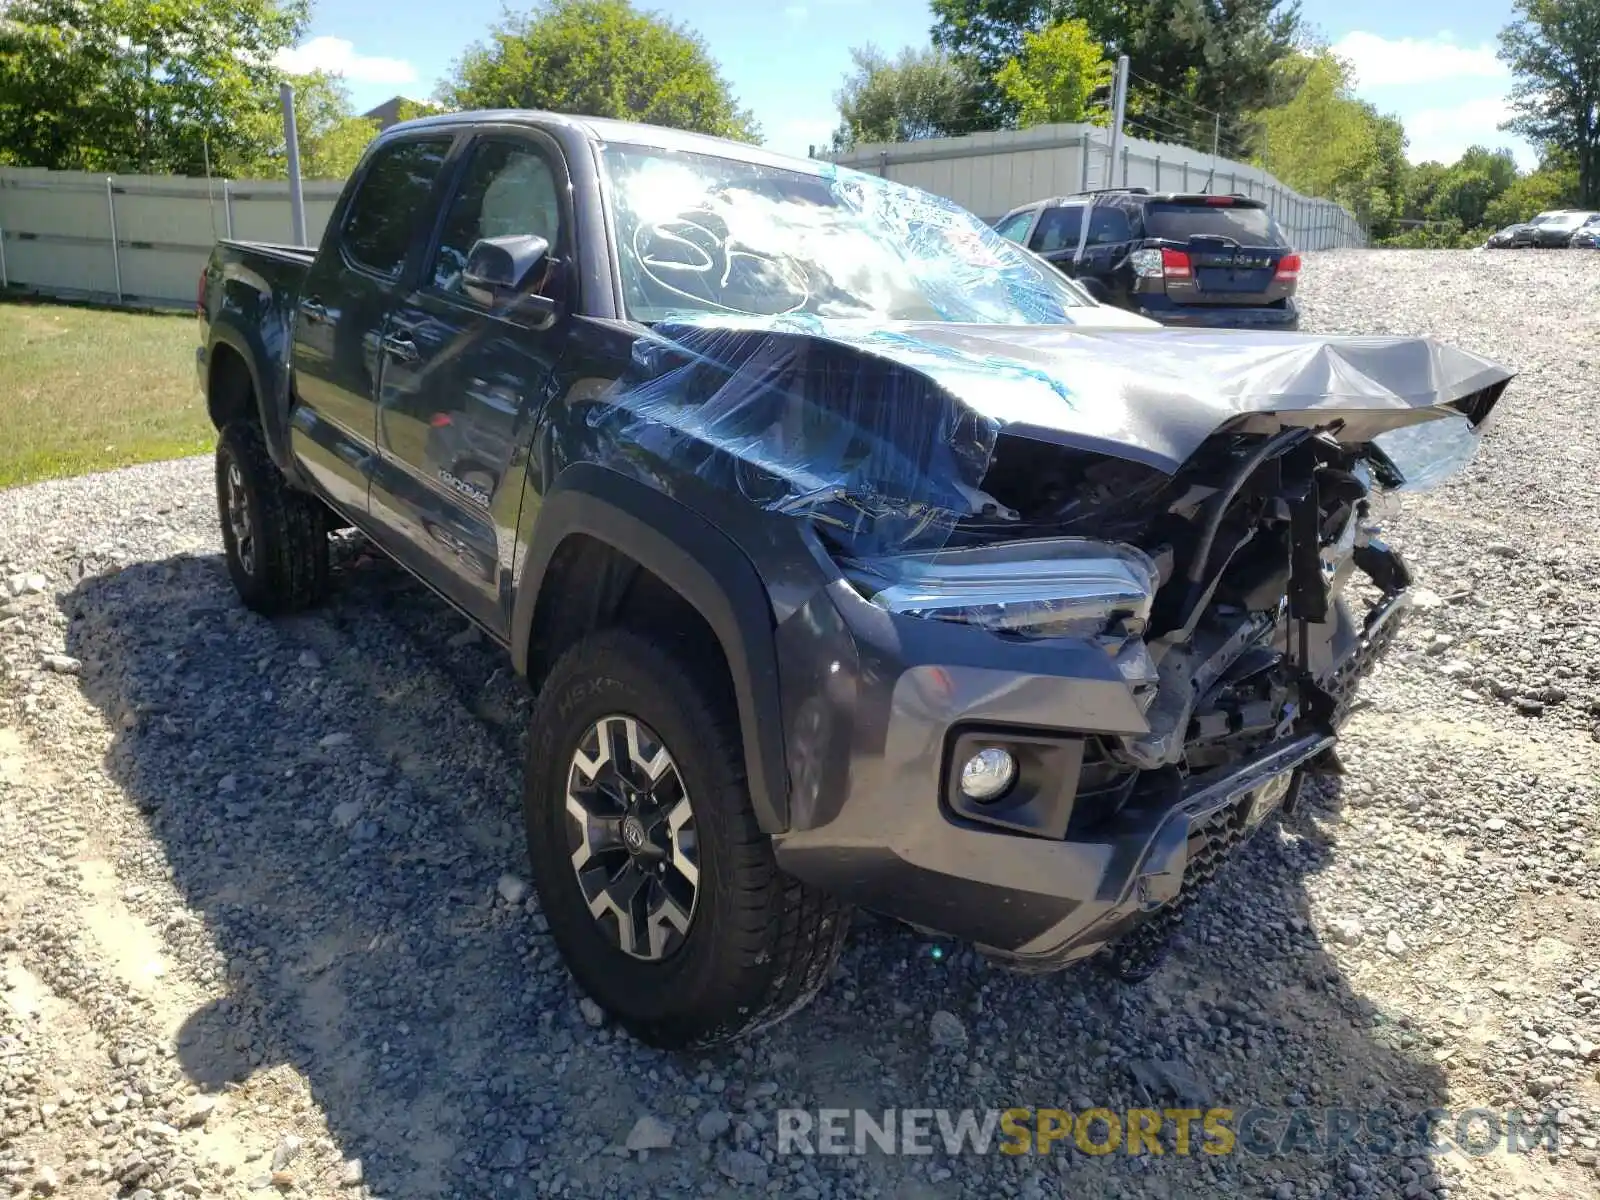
{"x":759,"y":944}
{"x":284,"y":566}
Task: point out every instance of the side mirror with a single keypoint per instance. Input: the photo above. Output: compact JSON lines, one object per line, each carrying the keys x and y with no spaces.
{"x":500,"y":269}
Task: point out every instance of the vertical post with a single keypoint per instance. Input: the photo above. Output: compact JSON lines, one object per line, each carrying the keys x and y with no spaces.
{"x":1124,"y":166}
{"x":1186,"y":174}
{"x":1158,"y":173}
{"x":4,"y":281}
{"x":883,"y":164}
{"x":291,"y":139}
{"x":1216,"y":138}
{"x":227,"y":206}
{"x":1119,"y":108}
{"x":116,"y":254}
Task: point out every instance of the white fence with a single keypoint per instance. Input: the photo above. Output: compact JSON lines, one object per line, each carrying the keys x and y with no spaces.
{"x":138,"y":239}
{"x":143,"y":238}
{"x":992,"y":173}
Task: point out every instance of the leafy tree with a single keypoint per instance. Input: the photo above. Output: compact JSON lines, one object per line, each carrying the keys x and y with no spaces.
{"x":152,"y":85}
{"x":1324,"y":142}
{"x":1191,"y":58}
{"x":920,"y":94}
{"x":1056,"y":76}
{"x":601,"y":58}
{"x":1553,"y":49}
{"x":1465,"y":190}
{"x":1553,"y":185}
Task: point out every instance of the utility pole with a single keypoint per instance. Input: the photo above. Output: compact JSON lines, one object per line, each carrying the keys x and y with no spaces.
{"x":1119,"y":108}
{"x":291,"y":139}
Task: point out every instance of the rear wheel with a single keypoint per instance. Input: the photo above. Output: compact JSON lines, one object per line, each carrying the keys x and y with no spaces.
{"x":275,"y":539}
{"x":660,"y":888}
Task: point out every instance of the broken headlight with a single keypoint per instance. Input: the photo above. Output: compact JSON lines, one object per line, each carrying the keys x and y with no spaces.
{"x":1046,"y":587}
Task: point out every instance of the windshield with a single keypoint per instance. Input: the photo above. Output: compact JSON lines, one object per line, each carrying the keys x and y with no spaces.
{"x":1247,"y":225}
{"x":700,"y":234}
{"x":1565,"y":221}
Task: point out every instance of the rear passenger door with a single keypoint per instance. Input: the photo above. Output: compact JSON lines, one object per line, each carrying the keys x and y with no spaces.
{"x":352,"y":285}
{"x":466,"y":385}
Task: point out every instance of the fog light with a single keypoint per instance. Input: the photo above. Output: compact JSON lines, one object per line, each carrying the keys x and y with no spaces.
{"x":988,"y":774}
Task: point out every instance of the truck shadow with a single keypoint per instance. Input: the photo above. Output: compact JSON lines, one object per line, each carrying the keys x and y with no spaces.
{"x":336,"y":797}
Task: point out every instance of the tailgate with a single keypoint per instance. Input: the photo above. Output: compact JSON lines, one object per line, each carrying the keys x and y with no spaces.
{"x":1235,"y":253}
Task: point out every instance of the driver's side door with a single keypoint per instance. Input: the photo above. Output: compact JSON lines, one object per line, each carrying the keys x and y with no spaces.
{"x":464,"y":384}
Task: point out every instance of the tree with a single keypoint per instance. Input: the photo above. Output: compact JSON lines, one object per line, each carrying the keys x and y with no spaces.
{"x":1324,"y":142}
{"x":125,"y":85}
{"x":1553,"y":49}
{"x":1465,"y":190}
{"x":920,"y":94}
{"x":1056,"y":76}
{"x":1190,"y":58}
{"x":1553,"y":185}
{"x":601,"y":58}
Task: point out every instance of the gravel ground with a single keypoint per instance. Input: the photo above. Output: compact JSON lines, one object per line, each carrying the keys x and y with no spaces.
{"x":264,"y":924}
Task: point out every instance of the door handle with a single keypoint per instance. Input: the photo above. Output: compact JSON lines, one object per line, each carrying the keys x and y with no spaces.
{"x":314,"y":311}
{"x":401,"y":348}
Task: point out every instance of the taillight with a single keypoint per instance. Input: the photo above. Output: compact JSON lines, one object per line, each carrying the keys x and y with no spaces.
{"x":1175,"y":264}
{"x":1288,"y":269}
{"x":200,"y":293}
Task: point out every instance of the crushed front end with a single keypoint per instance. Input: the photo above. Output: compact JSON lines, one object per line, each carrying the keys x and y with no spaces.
{"x":1206,"y":636}
{"x":1078,"y":608}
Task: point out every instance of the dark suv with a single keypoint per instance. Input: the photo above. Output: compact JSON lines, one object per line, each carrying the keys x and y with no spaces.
{"x":1178,"y":259}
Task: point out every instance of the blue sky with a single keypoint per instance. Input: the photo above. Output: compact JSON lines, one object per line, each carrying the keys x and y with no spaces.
{"x":1430,"y":61}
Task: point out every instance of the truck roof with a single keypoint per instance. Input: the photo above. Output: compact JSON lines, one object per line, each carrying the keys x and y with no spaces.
{"x":603,"y":130}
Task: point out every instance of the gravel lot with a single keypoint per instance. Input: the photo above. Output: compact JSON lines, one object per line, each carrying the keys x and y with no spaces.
{"x":264,"y":924}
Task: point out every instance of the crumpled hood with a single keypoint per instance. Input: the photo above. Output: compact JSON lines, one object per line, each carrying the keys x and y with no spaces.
{"x":1154,"y":395}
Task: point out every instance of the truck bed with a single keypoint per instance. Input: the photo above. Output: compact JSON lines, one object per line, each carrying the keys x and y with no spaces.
{"x":301,"y":255}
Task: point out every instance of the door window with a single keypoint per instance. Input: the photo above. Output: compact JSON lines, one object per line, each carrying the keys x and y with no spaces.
{"x":1058,"y":228}
{"x":508,"y":188}
{"x":1015,"y":227}
{"x":391,"y":196}
{"x":1108,"y":226}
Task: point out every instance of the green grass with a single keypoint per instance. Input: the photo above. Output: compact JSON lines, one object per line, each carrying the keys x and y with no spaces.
{"x":87,"y":389}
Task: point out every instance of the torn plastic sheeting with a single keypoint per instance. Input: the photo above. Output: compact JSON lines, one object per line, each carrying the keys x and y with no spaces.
{"x":1155,"y":395}
{"x":886,"y":430}
{"x":802,"y":425}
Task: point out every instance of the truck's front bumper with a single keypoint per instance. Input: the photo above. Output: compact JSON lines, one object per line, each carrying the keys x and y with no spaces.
{"x":875,"y":742}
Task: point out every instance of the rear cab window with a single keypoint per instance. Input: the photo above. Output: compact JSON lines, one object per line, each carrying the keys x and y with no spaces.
{"x":390,"y":199}
{"x":1178,"y":222}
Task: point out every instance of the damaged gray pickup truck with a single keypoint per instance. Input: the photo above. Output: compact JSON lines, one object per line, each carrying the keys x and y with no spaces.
{"x":854,"y":556}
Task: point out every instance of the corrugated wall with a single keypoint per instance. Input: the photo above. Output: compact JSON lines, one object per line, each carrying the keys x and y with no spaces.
{"x":992,"y":173}
{"x":56,"y":229}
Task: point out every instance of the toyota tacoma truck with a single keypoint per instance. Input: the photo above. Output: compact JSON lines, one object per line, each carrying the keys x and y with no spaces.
{"x":853,"y":555}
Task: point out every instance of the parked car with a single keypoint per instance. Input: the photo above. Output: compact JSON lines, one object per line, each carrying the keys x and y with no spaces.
{"x":854,"y":557}
{"x":1177,"y":258}
{"x":1512,"y":237}
{"x":1587,"y":236}
{"x":1556,"y":231}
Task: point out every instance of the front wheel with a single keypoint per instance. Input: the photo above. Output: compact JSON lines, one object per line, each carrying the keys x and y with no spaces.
{"x":660,"y":888}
